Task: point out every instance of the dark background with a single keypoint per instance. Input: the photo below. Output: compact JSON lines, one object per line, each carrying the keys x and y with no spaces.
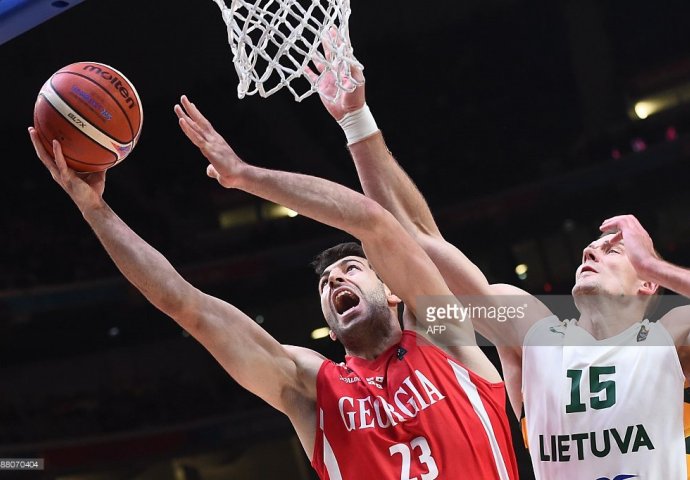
{"x":511,"y":116}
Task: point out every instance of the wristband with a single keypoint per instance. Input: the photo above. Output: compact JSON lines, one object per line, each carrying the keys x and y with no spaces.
{"x":358,"y":125}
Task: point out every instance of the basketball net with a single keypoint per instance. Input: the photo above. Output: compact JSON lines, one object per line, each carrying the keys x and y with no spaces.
{"x":273,"y":42}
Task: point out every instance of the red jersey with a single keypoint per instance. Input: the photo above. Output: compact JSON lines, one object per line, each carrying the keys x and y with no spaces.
{"x":413,"y":413}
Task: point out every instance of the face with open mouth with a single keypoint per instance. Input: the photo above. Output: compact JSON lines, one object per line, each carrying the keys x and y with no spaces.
{"x":353,"y":298}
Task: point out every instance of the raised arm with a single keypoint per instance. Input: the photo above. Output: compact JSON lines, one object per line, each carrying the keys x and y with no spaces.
{"x":396,"y":257}
{"x":384,"y":180}
{"x":283,"y":377}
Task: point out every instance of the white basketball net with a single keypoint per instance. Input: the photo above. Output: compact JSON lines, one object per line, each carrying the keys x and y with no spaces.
{"x":273,"y":41}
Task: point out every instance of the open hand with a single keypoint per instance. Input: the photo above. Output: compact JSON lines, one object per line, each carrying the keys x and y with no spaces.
{"x":225,"y":164}
{"x":328,"y":83}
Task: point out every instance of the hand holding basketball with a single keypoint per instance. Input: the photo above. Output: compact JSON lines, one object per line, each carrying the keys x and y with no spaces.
{"x":225,"y":164}
{"x":86,"y":190}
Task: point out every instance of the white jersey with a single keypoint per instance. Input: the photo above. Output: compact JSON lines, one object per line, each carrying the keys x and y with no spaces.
{"x":603,"y":410}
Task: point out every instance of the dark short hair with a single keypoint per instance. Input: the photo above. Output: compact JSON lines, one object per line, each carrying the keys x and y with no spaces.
{"x":333,"y":254}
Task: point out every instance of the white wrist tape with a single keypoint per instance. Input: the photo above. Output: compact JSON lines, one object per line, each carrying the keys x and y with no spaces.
{"x":358,"y":125}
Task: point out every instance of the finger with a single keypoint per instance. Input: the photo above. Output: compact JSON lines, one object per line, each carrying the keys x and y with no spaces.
{"x":633,"y":221}
{"x":187,"y":127}
{"x":212,"y":172}
{"x":60,"y":159}
{"x":326,"y":45}
{"x":195,"y":114}
{"x":313,"y":77}
{"x":180,"y":112}
{"x":42,"y":153}
{"x":182,"y":115}
{"x":617,"y":238}
{"x":610,"y":223}
{"x":320,"y":66}
{"x":357,"y":73}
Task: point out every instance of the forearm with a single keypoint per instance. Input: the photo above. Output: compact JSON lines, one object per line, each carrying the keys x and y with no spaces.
{"x":319,"y":199}
{"x":385,"y":181}
{"x":669,"y":276}
{"x":139,"y":262}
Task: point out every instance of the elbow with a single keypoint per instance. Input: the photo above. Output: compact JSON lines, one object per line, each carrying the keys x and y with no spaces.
{"x":375,"y":220}
{"x":179,"y":304}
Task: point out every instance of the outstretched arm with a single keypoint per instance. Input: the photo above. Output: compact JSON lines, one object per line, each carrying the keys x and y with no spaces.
{"x":395,"y":256}
{"x":384,"y":180}
{"x":251,"y":356}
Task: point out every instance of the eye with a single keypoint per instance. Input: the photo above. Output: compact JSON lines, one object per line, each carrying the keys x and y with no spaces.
{"x":352,"y":267}
{"x":322,"y":284}
{"x":613,"y":250}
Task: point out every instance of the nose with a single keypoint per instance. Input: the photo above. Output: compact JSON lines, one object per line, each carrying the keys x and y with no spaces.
{"x":335,"y":277}
{"x":589,"y":253}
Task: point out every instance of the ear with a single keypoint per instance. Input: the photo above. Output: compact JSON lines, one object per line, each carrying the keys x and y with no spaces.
{"x":648,"y":288}
{"x":331,"y":334}
{"x":393,"y":300}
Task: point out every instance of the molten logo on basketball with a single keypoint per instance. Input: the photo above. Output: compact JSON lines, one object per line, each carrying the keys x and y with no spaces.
{"x":114,"y":80}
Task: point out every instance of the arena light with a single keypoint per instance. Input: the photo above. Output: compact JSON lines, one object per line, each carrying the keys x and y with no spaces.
{"x":273,"y":211}
{"x":654,"y":103}
{"x":645,"y":109}
{"x":238,"y":217}
{"x":320,"y":333}
{"x":521,"y":271}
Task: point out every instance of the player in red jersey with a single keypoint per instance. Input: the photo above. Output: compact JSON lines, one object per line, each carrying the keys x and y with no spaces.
{"x":399,"y":407}
{"x":413,"y":411}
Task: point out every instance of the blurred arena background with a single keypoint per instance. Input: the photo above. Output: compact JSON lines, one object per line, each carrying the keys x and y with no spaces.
{"x":524,"y":122}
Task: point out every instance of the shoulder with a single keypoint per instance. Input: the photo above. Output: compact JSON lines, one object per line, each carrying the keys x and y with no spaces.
{"x":677,"y":324}
{"x":305,"y":358}
{"x":546,"y":332}
{"x":308,"y":363}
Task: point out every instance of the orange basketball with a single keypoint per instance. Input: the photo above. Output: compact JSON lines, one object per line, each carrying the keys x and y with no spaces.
{"x":93,"y":111}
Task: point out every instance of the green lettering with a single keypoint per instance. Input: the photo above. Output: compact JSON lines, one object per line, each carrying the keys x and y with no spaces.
{"x":579,"y":438}
{"x":607,"y":444}
{"x":575,"y":404}
{"x":642,"y":439}
{"x":563,"y":448}
{"x":625,"y":443}
{"x":542,"y":454}
{"x":608,"y":386}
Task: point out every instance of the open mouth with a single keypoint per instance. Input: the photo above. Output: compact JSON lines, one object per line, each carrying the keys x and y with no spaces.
{"x":345,"y":300}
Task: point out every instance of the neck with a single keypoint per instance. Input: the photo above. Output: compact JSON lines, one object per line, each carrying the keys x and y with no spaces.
{"x":605,"y":316}
{"x":377,"y":347}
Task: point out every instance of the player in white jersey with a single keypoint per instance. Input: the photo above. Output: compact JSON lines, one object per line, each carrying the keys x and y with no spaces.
{"x":603,"y":408}
{"x":601,"y":411}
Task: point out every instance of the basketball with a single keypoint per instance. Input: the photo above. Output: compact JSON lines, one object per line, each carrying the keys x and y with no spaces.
{"x":93,"y":111}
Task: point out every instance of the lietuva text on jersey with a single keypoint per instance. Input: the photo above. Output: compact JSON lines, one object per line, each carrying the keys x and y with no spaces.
{"x":578,"y":446}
